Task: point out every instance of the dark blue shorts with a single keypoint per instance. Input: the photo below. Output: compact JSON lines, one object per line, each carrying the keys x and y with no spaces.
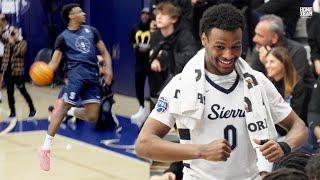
{"x":84,"y":90}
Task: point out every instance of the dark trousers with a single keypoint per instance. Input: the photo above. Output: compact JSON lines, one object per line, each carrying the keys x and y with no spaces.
{"x":140,"y":79}
{"x":10,"y":81}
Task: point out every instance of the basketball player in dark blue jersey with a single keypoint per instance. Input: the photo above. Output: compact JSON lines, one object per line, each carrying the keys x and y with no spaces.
{"x":78,"y":43}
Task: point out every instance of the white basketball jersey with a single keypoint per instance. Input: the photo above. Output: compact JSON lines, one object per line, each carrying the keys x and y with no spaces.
{"x":224,"y":118}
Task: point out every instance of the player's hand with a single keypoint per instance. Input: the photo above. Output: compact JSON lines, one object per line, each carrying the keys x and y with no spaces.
{"x":155,"y":65}
{"x":217,"y":150}
{"x":270,"y":149}
{"x":263,"y":52}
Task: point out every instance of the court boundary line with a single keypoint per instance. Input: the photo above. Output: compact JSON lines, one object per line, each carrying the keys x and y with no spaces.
{"x":86,"y":144}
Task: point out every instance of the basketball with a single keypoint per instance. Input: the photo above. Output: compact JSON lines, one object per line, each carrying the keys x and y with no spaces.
{"x":41,"y":74}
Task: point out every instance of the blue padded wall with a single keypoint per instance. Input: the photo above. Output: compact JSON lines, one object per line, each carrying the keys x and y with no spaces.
{"x":113,"y":18}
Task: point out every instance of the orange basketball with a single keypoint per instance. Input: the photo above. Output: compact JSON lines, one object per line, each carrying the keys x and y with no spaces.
{"x":41,"y":74}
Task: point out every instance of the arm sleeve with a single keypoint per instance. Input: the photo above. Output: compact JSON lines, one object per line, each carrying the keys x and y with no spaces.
{"x":60,"y":44}
{"x":22,"y":48}
{"x":278,"y":107}
{"x":187,"y":50}
{"x":96,"y":35}
{"x":161,"y":110}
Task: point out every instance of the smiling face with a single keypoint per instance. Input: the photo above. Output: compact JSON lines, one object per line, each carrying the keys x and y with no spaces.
{"x":264,"y":36}
{"x":223,"y":48}
{"x":275,"y":68}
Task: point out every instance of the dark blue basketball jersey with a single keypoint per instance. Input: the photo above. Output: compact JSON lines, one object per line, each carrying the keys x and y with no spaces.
{"x":80,"y":49}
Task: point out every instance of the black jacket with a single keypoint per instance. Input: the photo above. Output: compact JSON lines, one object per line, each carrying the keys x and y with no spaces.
{"x":141,"y":34}
{"x":297,"y":96}
{"x":313,"y":29}
{"x":288,"y":10}
{"x":177,"y":50}
{"x":299,"y":60}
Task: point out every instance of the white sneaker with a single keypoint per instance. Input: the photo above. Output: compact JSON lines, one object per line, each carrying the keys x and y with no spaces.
{"x":140,"y":117}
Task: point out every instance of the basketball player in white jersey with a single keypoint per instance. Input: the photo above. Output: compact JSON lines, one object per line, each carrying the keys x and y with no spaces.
{"x":218,"y":147}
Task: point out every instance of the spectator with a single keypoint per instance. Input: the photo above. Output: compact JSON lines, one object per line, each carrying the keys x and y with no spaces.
{"x":313,"y":167}
{"x":288,"y":10}
{"x":4,"y":31}
{"x":140,"y":41}
{"x":293,"y":160}
{"x":286,"y":174}
{"x":314,"y":118}
{"x":269,"y":32}
{"x":171,"y":48}
{"x":282,"y":73}
{"x":13,"y":69}
{"x":313,"y":26}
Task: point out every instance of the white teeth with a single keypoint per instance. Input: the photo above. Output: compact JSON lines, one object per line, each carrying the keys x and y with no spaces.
{"x":226,"y":62}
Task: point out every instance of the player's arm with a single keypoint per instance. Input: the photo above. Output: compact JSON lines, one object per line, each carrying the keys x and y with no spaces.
{"x":55,"y":60}
{"x":105,"y":55}
{"x":297,"y":131}
{"x":150,"y":145}
{"x":108,"y":75}
{"x":60,"y":46}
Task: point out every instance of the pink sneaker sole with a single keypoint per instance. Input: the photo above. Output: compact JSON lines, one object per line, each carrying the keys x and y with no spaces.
{"x":44,"y":157}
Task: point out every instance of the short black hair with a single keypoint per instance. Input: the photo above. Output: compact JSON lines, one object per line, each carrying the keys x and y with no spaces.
{"x":286,"y":174}
{"x":313,"y":167}
{"x":294,"y":160}
{"x":222,"y":16}
{"x":66,"y":10}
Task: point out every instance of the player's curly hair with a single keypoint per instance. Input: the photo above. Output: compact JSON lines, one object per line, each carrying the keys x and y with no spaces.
{"x":222,"y":16}
{"x":294,"y":160}
{"x":286,"y":174}
{"x":66,"y":10}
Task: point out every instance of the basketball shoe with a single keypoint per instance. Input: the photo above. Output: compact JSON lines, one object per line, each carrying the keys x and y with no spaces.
{"x":140,"y":117}
{"x":44,"y":157}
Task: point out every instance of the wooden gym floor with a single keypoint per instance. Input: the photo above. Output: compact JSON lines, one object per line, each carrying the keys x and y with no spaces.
{"x":71,"y":159}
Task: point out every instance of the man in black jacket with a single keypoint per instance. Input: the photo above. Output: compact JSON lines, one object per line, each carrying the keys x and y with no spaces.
{"x":140,"y":41}
{"x":288,"y":10}
{"x":313,"y":26}
{"x":269,"y":32}
{"x":171,"y":48}
{"x":314,"y":118}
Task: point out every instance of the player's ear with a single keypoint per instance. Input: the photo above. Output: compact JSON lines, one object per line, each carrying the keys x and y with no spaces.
{"x":204,"y":39}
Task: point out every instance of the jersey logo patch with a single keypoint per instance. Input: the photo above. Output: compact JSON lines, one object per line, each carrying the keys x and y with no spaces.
{"x":82,"y":44}
{"x":162,"y":105}
{"x":86,"y":30}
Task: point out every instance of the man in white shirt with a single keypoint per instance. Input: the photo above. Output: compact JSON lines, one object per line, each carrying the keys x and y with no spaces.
{"x":219,"y":146}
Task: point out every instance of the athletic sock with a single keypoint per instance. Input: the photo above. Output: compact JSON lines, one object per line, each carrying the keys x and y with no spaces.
{"x":71,"y":111}
{"x":47,"y":142}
